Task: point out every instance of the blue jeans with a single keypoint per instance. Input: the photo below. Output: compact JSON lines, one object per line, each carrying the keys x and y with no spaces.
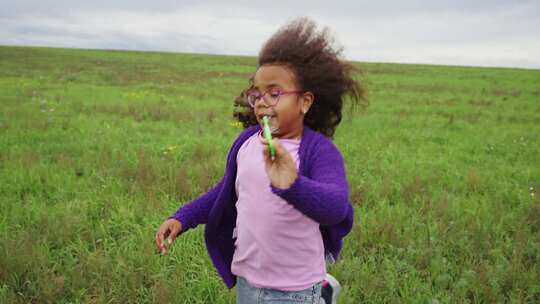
{"x":248,"y":294}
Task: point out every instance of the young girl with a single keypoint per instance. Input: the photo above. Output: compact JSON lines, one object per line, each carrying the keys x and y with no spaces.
{"x":273,"y":220}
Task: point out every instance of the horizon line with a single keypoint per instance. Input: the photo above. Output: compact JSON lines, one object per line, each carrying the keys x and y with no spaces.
{"x":255,"y":56}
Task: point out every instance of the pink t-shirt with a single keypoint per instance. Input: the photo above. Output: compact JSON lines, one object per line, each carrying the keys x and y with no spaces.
{"x":277,"y":246}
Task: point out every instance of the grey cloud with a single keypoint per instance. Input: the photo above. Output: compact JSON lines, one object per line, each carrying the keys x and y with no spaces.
{"x":347,"y":8}
{"x":482,"y":32}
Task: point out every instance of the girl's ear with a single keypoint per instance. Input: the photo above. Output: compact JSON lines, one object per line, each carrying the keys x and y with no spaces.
{"x":307,"y":101}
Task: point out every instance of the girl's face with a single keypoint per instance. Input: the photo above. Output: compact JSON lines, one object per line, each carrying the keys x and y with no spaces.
{"x":286,"y":117}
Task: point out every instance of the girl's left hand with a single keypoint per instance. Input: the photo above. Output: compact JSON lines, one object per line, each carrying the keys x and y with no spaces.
{"x":282,"y":169}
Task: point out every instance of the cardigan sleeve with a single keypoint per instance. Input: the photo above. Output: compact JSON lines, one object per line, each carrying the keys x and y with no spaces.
{"x":324,"y":196}
{"x":197,"y":211}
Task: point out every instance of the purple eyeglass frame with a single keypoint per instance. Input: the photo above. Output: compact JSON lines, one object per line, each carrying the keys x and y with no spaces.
{"x":261,"y":97}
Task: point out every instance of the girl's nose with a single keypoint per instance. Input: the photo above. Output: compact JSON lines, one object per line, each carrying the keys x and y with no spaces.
{"x":261,"y":104}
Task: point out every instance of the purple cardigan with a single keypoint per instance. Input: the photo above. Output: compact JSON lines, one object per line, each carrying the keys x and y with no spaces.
{"x":320,"y":192}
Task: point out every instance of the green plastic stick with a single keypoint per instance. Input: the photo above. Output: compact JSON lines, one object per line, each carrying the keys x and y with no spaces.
{"x":268,"y":135}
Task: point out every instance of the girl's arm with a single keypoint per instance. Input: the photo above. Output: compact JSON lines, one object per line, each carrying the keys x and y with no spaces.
{"x":325,"y":196}
{"x":197,"y":211}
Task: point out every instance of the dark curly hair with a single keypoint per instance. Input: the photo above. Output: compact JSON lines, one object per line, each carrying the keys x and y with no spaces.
{"x":319,"y":69}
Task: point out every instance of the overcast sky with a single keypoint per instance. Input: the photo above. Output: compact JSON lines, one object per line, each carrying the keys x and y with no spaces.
{"x":459,"y":32}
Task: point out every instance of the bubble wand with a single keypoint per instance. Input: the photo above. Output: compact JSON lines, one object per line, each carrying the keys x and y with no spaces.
{"x":268,"y":135}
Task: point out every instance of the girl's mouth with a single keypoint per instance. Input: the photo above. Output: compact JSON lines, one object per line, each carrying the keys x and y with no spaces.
{"x":260,"y":116}
{"x":272,"y":122}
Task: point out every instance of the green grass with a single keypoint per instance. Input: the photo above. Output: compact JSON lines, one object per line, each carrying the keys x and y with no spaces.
{"x":97,"y":148}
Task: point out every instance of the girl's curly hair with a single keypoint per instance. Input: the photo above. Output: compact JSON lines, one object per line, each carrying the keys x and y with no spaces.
{"x":319,"y":69}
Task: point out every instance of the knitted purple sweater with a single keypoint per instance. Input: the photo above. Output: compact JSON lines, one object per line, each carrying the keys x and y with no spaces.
{"x":320,"y":192}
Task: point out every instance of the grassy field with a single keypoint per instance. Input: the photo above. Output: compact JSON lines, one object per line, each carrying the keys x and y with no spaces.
{"x":97,"y":148}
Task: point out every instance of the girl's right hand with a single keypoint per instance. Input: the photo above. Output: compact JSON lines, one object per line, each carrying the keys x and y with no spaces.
{"x":168,"y":230}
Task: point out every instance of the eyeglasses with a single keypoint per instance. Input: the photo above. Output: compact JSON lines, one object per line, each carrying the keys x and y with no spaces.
{"x":271,"y":96}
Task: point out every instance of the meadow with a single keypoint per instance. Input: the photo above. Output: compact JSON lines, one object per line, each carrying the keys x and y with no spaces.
{"x":98,"y":147}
